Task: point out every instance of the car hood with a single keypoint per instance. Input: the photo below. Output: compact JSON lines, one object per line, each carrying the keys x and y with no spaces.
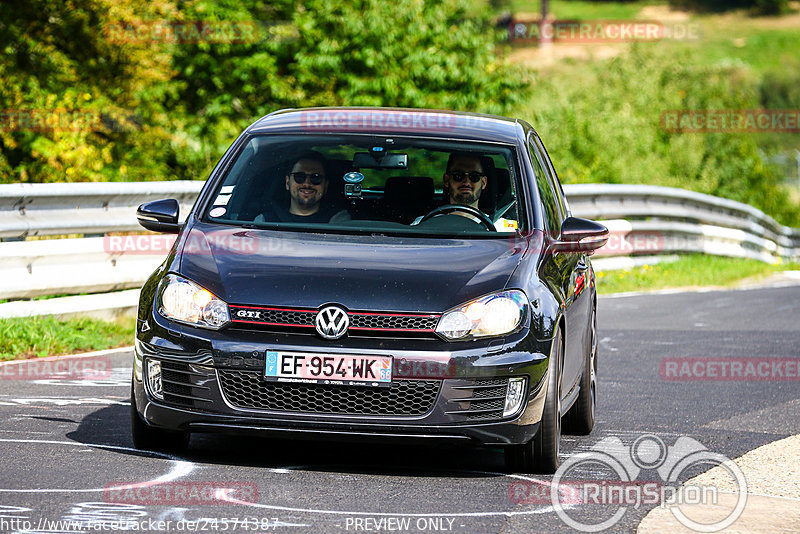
{"x":360,"y":272}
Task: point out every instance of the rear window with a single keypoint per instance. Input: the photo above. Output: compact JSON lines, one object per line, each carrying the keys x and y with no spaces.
{"x":371,"y":183}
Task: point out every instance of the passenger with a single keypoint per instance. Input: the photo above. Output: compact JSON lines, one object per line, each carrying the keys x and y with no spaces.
{"x":307,"y":183}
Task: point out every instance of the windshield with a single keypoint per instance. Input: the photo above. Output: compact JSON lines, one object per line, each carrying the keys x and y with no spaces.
{"x":371,"y":183}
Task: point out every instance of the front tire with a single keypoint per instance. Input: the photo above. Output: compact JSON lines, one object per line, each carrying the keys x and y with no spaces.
{"x":540,"y":455}
{"x":148,"y":438}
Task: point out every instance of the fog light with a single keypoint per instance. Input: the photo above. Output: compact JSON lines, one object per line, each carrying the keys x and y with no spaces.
{"x":154,"y":379}
{"x":515,"y":394}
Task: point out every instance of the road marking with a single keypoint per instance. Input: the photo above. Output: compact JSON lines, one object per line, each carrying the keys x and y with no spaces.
{"x":120,"y":377}
{"x":543,"y":510}
{"x":180,"y":468}
{"x":61,"y":401}
{"x":605,"y":345}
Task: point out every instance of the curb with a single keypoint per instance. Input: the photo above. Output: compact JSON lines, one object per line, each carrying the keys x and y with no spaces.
{"x":778,"y":280}
{"x":772,"y":497}
{"x":92,"y":354}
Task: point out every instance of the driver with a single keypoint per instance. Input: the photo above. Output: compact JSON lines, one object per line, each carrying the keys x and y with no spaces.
{"x":464,"y":180}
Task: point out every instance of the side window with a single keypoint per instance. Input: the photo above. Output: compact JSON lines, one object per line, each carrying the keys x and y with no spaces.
{"x":546,"y":192}
{"x":560,"y":197}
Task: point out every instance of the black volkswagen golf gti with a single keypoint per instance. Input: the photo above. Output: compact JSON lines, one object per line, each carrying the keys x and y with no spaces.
{"x":368,"y":273}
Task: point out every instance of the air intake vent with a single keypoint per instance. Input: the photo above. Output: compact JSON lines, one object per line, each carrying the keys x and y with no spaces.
{"x":483,"y":401}
{"x":246,"y":389}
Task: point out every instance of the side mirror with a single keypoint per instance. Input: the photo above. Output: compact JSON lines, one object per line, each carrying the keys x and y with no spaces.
{"x":160,"y":216}
{"x":580,"y":235}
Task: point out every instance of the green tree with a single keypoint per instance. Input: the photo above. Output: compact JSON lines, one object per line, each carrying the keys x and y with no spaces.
{"x":613,"y":133}
{"x":76,"y":106}
{"x":411,"y":53}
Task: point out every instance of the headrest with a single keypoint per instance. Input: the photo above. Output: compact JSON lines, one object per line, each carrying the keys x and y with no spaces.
{"x":408,"y":190}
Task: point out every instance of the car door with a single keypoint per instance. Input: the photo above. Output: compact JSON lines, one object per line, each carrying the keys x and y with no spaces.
{"x":570,"y":268}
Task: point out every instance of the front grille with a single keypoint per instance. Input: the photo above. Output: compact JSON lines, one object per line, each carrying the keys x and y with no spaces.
{"x":483,"y":400}
{"x":247,"y":389}
{"x":180,"y":384}
{"x":292,"y":319}
{"x":393,"y":322}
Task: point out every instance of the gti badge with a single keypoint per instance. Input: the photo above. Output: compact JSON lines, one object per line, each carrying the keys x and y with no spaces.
{"x":247,"y":314}
{"x":332,"y":322}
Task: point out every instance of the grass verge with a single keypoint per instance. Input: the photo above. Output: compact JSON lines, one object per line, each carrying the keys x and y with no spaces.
{"x":581,"y":10}
{"x":695,"y":270}
{"x":30,"y":337}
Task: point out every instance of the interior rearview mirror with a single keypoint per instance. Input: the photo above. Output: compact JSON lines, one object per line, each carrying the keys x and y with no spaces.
{"x":380,"y":160}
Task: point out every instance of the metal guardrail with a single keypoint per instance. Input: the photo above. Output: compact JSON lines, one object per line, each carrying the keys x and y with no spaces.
{"x":645,"y":222}
{"x":688,"y":221}
{"x":83,"y":208}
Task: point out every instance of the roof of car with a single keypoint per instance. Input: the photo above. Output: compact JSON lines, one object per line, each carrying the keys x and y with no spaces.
{"x":391,"y":121}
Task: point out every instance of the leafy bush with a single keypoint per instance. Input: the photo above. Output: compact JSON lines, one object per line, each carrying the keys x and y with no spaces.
{"x":320,"y":53}
{"x":57,"y":59}
{"x":605,"y":126}
{"x":165,"y":110}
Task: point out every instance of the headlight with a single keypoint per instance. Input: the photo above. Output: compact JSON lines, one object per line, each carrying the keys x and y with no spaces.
{"x":186,"y":302}
{"x":492,"y":315}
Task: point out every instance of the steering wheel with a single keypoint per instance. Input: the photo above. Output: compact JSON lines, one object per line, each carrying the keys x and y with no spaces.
{"x":450,"y":208}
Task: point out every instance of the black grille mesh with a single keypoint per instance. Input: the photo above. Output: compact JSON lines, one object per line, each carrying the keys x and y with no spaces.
{"x":246,"y":389}
{"x":288,"y":317}
{"x":305,"y":318}
{"x":391,"y":322}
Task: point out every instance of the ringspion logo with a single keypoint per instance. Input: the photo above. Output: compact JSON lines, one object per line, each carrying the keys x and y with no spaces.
{"x":646,"y":472}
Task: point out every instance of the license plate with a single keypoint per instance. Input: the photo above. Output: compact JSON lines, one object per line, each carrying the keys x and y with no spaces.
{"x":339,"y":369}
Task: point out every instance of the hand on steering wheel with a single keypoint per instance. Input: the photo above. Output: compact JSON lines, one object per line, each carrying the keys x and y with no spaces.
{"x":473,"y":212}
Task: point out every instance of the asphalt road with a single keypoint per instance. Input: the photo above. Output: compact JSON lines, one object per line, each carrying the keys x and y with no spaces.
{"x":64,"y":443}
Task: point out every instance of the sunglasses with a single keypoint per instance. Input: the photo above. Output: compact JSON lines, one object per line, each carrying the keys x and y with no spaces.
{"x":459,"y":176}
{"x":301,"y":177}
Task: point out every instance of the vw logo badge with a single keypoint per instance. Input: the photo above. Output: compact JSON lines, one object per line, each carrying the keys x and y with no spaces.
{"x":332,"y":322}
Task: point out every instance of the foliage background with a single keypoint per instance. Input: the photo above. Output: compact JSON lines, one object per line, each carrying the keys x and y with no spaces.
{"x":169,"y":110}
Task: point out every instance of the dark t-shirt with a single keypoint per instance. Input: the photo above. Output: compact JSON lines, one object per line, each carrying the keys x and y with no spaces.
{"x":282,"y":214}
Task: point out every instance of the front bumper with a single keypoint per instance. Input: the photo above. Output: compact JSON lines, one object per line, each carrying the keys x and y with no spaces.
{"x":212,"y":384}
